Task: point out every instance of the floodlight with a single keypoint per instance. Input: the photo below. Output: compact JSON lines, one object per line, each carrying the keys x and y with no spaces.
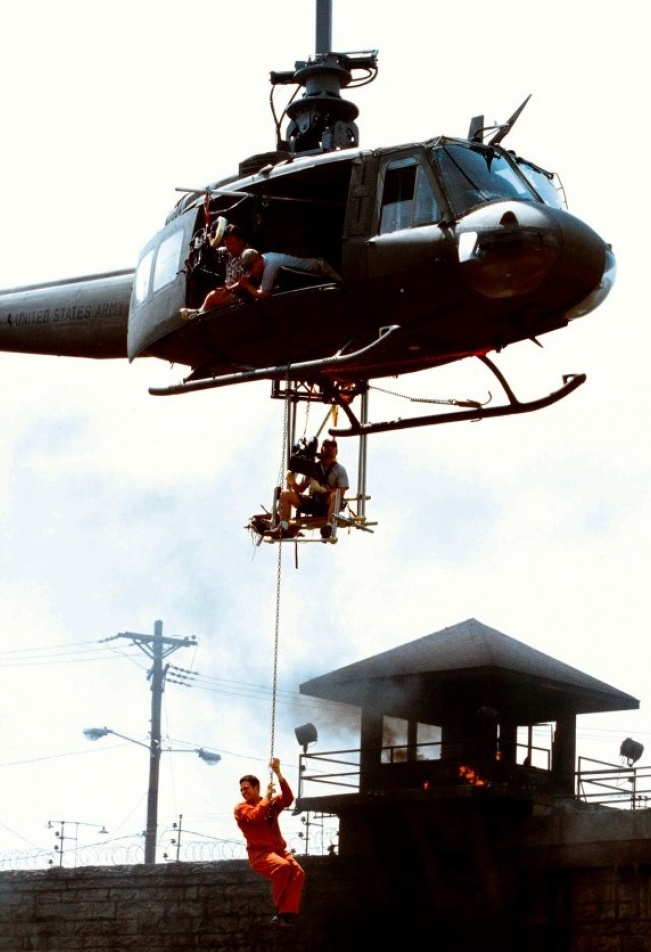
{"x":631,"y":750}
{"x":306,"y":734}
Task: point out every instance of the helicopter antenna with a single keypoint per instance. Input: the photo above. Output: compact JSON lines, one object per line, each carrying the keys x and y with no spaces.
{"x":477,"y":127}
{"x":508,"y":125}
{"x":320,"y":120}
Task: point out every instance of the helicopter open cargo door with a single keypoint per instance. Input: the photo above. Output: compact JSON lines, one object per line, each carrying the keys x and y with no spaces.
{"x":159,"y":287}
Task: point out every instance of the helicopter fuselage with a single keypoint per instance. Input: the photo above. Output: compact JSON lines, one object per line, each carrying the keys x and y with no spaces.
{"x":463,"y":245}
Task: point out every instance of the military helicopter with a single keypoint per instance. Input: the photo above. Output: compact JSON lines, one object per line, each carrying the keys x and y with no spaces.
{"x":443,"y":249}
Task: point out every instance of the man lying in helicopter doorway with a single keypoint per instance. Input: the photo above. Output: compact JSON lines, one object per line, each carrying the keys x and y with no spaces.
{"x":261,"y":270}
{"x":229,"y":243}
{"x":321,"y":499}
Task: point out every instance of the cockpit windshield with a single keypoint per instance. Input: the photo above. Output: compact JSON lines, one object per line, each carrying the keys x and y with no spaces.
{"x":473,"y":175}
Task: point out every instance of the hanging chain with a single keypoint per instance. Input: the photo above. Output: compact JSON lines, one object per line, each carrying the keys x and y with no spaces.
{"x":274,"y":690}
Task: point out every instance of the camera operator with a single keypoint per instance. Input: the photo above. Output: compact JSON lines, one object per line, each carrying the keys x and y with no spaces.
{"x":320,"y":498}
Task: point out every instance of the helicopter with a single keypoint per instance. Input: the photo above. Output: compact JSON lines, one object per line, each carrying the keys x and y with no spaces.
{"x":442,"y":249}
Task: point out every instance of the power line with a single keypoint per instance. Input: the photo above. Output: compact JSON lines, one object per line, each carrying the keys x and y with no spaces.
{"x":58,"y":654}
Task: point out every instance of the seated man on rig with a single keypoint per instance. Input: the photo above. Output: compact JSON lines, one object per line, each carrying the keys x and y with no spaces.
{"x":329,"y":477}
{"x":261,"y":271}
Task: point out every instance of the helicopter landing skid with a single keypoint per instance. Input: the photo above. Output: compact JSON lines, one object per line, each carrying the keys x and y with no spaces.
{"x":281,"y":372}
{"x":479,"y":412}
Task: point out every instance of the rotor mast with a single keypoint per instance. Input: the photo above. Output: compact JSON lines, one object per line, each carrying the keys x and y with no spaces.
{"x":320,"y":120}
{"x":323,"y":27}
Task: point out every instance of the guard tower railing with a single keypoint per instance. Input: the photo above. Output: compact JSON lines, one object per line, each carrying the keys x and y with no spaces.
{"x":604,"y":784}
{"x":403,"y":766}
{"x":333,"y":768}
{"x":400,"y":766}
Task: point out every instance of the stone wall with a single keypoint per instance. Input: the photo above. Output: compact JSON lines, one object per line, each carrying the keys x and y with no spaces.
{"x":180,"y":906}
{"x":349,"y":905}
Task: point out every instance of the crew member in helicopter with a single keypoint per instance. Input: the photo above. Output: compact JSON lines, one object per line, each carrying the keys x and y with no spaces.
{"x":261,"y":270}
{"x":257,"y":818}
{"x":321,"y":498}
{"x":229,"y":243}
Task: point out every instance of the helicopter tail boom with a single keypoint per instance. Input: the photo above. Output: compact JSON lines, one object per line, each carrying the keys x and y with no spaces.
{"x":76,"y":317}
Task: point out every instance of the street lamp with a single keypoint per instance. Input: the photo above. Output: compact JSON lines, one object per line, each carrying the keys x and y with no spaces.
{"x":155,"y":751}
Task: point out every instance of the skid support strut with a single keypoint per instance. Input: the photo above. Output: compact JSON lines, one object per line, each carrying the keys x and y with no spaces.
{"x":357,"y":428}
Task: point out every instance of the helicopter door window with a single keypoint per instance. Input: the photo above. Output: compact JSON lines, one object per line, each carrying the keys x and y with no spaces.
{"x":408,"y":198}
{"x":168,"y":260}
{"x":143,"y":275}
{"x":426,"y":206}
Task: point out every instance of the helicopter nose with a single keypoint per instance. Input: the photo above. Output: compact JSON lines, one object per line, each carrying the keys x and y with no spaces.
{"x":595,"y":297}
{"x":507,"y":249}
{"x":512,"y":249}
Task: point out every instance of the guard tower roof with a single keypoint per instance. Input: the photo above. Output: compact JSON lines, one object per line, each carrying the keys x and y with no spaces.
{"x":463,"y":668}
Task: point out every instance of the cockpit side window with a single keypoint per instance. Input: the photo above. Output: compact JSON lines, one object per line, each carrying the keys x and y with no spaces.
{"x":143,"y":275}
{"x":158,"y":267}
{"x":408,"y":198}
{"x":547,"y":184}
{"x":168,"y":260}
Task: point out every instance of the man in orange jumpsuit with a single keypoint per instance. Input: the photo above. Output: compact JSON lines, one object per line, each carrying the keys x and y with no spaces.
{"x":257,"y":818}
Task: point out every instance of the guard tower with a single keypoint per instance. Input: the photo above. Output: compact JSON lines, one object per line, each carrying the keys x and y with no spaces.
{"x":465,"y":721}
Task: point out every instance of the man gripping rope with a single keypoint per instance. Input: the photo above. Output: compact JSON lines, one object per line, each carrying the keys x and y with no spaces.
{"x":257,"y":818}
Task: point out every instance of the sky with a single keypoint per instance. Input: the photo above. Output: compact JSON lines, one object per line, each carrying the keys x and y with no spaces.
{"x":118,"y":509}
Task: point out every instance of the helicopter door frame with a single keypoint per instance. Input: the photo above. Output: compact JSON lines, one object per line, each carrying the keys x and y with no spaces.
{"x":359,"y":217}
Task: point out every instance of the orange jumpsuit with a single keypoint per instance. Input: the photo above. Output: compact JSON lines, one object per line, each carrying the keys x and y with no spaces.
{"x":267,"y":850}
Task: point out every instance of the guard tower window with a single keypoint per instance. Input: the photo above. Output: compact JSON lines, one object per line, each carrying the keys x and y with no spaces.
{"x":404,"y":740}
{"x":408,"y":198}
{"x":534,"y":745}
{"x":428,"y":739}
{"x":395,"y":737}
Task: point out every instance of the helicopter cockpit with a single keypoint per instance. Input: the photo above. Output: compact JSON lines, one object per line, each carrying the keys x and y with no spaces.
{"x":476,"y":174}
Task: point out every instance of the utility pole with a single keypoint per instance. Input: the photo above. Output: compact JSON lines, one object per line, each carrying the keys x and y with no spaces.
{"x":157,"y":648}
